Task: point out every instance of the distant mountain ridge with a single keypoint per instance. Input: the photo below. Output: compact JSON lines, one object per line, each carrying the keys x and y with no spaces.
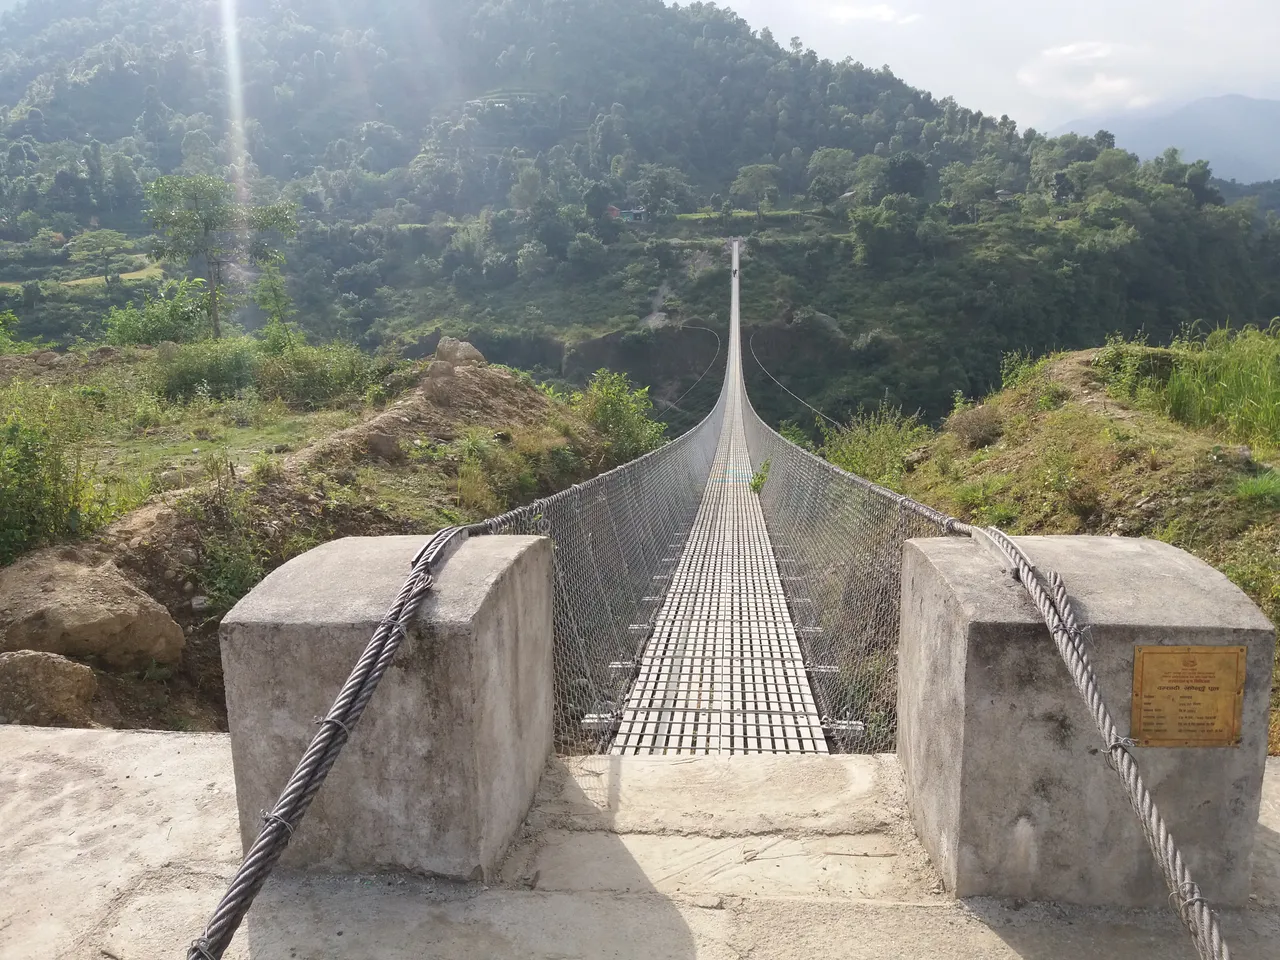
{"x":1239,"y":136}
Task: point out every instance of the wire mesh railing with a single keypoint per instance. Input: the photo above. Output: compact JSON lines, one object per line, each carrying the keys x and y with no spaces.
{"x":617,"y":540}
{"x":838,"y":540}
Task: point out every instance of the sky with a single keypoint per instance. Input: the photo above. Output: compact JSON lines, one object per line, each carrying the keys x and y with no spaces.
{"x":1045,"y":63}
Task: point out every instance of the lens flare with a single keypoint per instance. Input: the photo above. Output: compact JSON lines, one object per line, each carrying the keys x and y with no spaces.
{"x":235,"y":97}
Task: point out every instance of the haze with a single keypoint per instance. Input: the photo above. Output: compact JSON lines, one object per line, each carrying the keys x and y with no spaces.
{"x":1046,"y":63}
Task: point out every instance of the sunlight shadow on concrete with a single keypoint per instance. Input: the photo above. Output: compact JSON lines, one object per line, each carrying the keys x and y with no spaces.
{"x":389,"y":917}
{"x":1042,"y":931}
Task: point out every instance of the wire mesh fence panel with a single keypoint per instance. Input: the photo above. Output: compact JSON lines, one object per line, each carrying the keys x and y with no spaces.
{"x":838,"y":543}
{"x":617,"y":539}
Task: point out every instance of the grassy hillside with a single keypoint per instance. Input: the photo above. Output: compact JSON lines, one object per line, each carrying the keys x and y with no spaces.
{"x":1127,"y":439}
{"x":197,"y":495}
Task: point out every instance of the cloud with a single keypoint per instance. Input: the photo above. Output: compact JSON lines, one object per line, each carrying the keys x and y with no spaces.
{"x":1093,"y":74}
{"x":877,"y":13}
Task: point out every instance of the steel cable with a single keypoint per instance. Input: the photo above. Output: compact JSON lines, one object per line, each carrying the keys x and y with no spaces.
{"x":1052,"y":601}
{"x":335,"y":729}
{"x":752,"y":345}
{"x":674,"y":405}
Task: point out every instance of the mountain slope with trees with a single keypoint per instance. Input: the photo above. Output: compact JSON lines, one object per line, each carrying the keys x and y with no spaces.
{"x":458,"y":168}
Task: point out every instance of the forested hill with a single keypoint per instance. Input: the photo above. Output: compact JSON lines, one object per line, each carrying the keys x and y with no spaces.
{"x":614,"y":83}
{"x":692,"y":86}
{"x":453,"y":165}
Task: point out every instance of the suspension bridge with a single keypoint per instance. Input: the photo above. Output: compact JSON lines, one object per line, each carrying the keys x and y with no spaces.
{"x":722,"y":670}
{"x":736,"y":634}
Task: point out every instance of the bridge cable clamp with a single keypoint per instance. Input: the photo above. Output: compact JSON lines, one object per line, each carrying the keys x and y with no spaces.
{"x":1189,"y":901}
{"x":321,"y":721}
{"x":1122,"y":744}
{"x":269,"y":817}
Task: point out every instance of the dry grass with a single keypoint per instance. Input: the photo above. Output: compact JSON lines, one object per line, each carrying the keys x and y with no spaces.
{"x":1072,"y":459}
{"x":977,"y":427}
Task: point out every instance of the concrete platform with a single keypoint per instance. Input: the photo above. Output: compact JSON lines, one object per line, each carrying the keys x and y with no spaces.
{"x":116,"y":845}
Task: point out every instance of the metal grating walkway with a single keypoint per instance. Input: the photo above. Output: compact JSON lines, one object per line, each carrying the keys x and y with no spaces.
{"x":723,"y":671}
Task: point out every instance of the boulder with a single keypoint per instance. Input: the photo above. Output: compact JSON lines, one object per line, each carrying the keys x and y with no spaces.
{"x":437,"y":390}
{"x":383,"y":446}
{"x":62,"y":606}
{"x":458,"y":352}
{"x":439,"y":370}
{"x":44,"y":689}
{"x":48,"y":358}
{"x":179,"y":478}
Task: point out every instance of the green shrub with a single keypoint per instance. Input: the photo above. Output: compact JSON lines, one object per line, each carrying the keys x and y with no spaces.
{"x":9,"y":344}
{"x":984,"y":501}
{"x":875,"y":445}
{"x":231,"y":569}
{"x":790,"y":430}
{"x":44,"y":494}
{"x":278,"y":337}
{"x":1230,"y":381}
{"x":48,"y":490}
{"x":211,"y":368}
{"x":177,"y":315}
{"x":310,"y":377}
{"x":760,"y":477}
{"x":1017,"y":367}
{"x":1262,"y":488}
{"x":620,"y":415}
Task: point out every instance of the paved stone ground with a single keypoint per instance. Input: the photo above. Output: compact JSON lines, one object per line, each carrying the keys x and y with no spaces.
{"x":116,"y":845}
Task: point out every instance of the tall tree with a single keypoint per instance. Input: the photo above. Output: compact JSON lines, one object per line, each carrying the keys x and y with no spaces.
{"x":98,"y":246}
{"x":758,"y":182}
{"x":660,"y":188}
{"x":198,"y":218}
{"x":833,"y":162}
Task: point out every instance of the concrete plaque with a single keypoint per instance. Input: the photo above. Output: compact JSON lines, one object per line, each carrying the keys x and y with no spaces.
{"x":1187,"y":696}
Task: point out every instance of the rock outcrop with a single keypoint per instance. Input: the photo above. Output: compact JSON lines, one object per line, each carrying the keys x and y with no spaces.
{"x":61,"y":606}
{"x":458,"y":352}
{"x":44,"y":689}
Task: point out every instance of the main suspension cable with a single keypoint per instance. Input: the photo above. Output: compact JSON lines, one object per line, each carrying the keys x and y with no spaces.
{"x":672,"y":406}
{"x":752,"y":345}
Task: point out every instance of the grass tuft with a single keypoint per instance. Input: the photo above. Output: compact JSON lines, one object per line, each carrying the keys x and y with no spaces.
{"x":1262,"y":489}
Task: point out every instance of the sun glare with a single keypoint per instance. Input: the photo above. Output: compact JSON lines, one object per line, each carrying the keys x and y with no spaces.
{"x":235,"y":96}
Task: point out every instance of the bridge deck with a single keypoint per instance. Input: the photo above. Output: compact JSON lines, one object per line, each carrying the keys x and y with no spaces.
{"x":723,"y":670}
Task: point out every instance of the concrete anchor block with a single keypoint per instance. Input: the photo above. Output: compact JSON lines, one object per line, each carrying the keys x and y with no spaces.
{"x":444,"y":764}
{"x":1008,"y":781}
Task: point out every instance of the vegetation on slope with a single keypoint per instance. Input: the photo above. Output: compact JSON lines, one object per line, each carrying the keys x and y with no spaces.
{"x":454,"y":165}
{"x":199,"y":496}
{"x":1127,"y":439}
